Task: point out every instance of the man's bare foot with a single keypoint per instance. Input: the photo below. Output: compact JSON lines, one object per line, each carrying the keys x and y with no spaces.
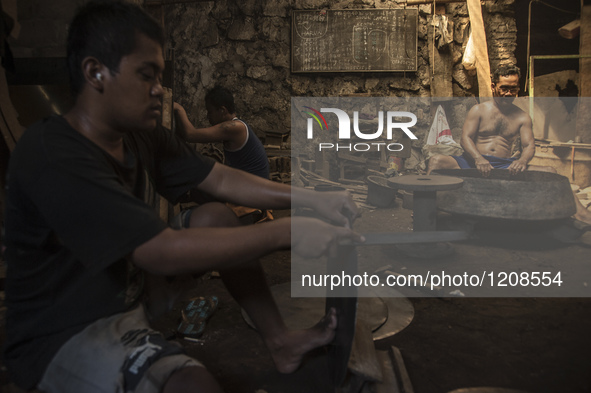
{"x":289,"y":349}
{"x":583,"y":217}
{"x":582,"y":214}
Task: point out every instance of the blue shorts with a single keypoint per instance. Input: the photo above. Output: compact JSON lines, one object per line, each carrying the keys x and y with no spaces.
{"x":465,"y":161}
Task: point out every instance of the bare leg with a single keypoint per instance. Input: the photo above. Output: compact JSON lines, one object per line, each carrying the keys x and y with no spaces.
{"x":541,"y":168}
{"x":247,"y":284}
{"x":581,"y":214}
{"x":192,"y":380}
{"x":162,"y":292}
{"x":439,"y":161}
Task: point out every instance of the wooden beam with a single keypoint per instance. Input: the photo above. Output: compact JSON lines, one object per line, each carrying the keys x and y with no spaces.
{"x":441,"y":67}
{"x":363,"y":361}
{"x":584,"y":111}
{"x":585,"y":49}
{"x":570,"y":30}
{"x":479,"y":37}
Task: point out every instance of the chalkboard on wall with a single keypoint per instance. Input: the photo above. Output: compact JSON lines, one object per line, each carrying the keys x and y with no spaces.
{"x":373,"y":40}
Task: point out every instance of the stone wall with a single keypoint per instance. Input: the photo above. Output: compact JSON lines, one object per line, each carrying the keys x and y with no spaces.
{"x":501,"y":32}
{"x":245,"y":46}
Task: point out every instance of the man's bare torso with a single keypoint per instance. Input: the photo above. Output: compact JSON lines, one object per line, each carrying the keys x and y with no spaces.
{"x":499,"y":126}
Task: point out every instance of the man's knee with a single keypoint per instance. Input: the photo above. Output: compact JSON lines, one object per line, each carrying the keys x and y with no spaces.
{"x":434,"y":162}
{"x":439,"y":161}
{"x":192,"y":379}
{"x":213,"y":214}
{"x":550,"y":169}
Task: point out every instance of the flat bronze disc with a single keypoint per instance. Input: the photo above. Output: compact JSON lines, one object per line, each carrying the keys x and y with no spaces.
{"x":425,"y":182}
{"x":400,"y":314}
{"x":385,"y":316}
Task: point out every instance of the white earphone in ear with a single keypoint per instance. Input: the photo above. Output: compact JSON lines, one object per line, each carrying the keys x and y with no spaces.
{"x":99,"y":76}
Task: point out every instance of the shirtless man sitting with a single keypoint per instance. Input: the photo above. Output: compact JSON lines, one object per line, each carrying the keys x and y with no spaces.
{"x":490,"y":130}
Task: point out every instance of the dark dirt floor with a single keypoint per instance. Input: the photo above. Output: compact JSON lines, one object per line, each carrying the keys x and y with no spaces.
{"x":535,"y":344}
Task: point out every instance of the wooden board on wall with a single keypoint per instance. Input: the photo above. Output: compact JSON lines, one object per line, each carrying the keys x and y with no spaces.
{"x":583,"y":131}
{"x":441,"y":69}
{"x":373,"y":40}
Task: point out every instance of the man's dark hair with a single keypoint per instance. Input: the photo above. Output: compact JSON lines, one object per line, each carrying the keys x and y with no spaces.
{"x":220,"y":96}
{"x":106,"y":30}
{"x":505,"y":70}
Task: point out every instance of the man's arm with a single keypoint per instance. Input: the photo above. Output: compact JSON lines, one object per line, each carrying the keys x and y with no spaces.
{"x":232,"y":132}
{"x":528,"y":146}
{"x":469,"y":135}
{"x":174,"y":252}
{"x":196,"y":250}
{"x":249,"y":190}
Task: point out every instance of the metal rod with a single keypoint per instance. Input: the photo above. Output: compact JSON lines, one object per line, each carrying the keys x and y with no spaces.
{"x":528,"y":44}
{"x":433,"y":42}
{"x":531,"y":90}
{"x":572,"y":164}
{"x":553,"y":57}
{"x":546,"y":57}
{"x":549,"y":57}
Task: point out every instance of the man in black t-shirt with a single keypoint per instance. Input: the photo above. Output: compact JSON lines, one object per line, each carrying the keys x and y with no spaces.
{"x":79,"y":234}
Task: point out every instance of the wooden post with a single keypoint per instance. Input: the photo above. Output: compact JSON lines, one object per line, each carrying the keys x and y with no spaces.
{"x":584,"y":111}
{"x":479,"y":37}
{"x":441,"y":78}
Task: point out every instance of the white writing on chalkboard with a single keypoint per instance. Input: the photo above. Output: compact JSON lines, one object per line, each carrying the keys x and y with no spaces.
{"x":354,"y":40}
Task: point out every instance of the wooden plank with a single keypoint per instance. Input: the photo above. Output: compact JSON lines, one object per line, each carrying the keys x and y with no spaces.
{"x":585,"y":49}
{"x":583,"y":132}
{"x":401,"y":369}
{"x":322,"y":164}
{"x":389,"y":382}
{"x":441,"y":69}
{"x":570,"y":30}
{"x":363,"y":361}
{"x":479,"y":37}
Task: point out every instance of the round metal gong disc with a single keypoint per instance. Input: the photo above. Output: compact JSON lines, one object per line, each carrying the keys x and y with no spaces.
{"x":400,"y":314}
{"x":529,"y":195}
{"x":385,"y":316}
{"x":425,"y":182}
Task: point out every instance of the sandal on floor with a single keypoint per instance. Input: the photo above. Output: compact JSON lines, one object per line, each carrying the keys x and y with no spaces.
{"x":194,"y":316}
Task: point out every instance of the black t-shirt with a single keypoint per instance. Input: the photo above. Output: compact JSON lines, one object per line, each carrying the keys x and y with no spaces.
{"x":73,"y":215}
